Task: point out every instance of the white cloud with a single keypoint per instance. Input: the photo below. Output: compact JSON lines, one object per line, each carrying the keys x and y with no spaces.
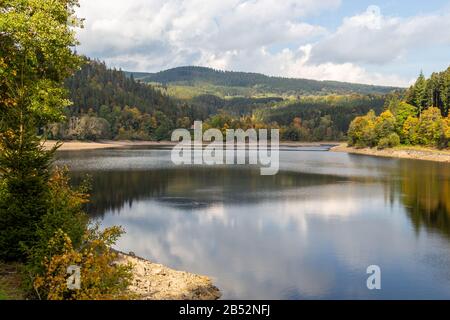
{"x":190,"y":30}
{"x":373,"y":38}
{"x":297,"y":64}
{"x":266,"y":36}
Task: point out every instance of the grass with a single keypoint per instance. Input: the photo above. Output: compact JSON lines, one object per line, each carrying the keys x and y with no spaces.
{"x":3,"y":295}
{"x":11,"y":282}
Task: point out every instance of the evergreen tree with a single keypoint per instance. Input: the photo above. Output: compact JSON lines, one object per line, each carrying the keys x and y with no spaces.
{"x":420,"y":94}
{"x":35,"y":56}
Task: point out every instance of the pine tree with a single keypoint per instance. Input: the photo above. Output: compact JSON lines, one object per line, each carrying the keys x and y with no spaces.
{"x":420,"y":94}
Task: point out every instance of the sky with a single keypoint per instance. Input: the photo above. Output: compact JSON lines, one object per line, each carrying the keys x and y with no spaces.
{"x":381,"y":42}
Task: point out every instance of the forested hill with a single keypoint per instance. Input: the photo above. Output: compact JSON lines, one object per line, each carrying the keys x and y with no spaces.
{"x":192,"y":76}
{"x":109,"y":103}
{"x":96,"y":85}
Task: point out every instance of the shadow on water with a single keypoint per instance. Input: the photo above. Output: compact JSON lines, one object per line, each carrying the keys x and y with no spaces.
{"x":193,"y":188}
{"x":423,"y":187}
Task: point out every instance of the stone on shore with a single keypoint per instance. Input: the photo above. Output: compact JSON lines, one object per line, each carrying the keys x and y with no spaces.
{"x":153,"y":281}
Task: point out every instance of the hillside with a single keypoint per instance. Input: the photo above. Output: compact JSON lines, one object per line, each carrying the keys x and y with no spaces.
{"x":96,"y":85}
{"x":109,"y":103}
{"x":259,"y":83}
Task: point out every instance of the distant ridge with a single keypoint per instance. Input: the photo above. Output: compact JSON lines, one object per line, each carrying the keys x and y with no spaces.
{"x":192,"y":76}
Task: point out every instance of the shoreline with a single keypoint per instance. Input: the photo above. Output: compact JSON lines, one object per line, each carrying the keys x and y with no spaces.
{"x":111,"y":144}
{"x":152,"y":281}
{"x":76,"y":145}
{"x":402,"y":152}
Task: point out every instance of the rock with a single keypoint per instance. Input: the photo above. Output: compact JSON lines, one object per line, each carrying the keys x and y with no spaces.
{"x":153,"y":281}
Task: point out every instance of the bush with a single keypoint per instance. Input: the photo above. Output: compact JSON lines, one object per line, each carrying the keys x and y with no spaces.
{"x":431,"y":127}
{"x":385,"y":124}
{"x":393,"y":140}
{"x":292,"y":133}
{"x":362,"y":131}
{"x":446,"y":130}
{"x":65,"y":213}
{"x":64,"y":238}
{"x":101,"y":278}
{"x":409,"y":131}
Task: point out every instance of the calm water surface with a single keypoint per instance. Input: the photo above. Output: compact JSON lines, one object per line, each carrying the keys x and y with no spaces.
{"x":309,"y":232}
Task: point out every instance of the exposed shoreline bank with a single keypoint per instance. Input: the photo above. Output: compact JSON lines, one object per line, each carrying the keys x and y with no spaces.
{"x":153,"y":281}
{"x":111,"y":144}
{"x":107,"y":144}
{"x":403,"y":152}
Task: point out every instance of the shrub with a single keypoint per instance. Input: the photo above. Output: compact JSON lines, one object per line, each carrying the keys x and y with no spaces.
{"x":362,"y":131}
{"x":64,"y":239}
{"x":409,"y":131}
{"x":292,"y":133}
{"x":383,"y":143}
{"x":445,"y":137}
{"x":65,"y":213}
{"x":385,"y":124}
{"x":430,"y":127}
{"x":402,"y":113}
{"x":394,"y":140}
{"x":101,"y":278}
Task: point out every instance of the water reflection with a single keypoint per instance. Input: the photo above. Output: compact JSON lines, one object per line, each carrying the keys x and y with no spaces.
{"x":425,"y":193}
{"x":193,"y":188}
{"x":309,"y":232}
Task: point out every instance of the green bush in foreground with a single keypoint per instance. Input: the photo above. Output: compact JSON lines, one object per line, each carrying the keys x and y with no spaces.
{"x":65,"y":213}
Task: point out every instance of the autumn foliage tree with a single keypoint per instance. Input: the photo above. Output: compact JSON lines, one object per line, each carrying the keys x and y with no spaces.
{"x":35,"y":57}
{"x":41,"y":218}
{"x":102,"y":278}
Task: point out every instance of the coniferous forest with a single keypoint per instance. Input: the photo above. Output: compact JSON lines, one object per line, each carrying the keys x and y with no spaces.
{"x":111,"y":104}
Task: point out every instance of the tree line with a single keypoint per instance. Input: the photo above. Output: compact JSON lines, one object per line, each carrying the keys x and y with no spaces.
{"x":431,"y":92}
{"x":192,"y":75}
{"x":108,"y":104}
{"x":420,"y":117}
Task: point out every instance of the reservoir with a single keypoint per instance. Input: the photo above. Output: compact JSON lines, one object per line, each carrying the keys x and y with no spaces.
{"x":309,"y":232}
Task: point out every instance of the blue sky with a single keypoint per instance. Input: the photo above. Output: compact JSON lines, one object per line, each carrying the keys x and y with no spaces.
{"x":376,"y":42}
{"x":401,"y":8}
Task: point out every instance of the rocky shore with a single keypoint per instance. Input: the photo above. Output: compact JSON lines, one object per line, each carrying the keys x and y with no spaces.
{"x":153,"y":281}
{"x":418,"y":153}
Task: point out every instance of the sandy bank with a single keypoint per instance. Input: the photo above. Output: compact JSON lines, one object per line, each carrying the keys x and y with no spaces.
{"x":418,"y":153}
{"x":156,"y":282}
{"x":109,"y":144}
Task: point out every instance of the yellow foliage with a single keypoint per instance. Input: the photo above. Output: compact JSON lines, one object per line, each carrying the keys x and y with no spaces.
{"x":409,"y":130}
{"x":101,"y":277}
{"x":447,"y":127}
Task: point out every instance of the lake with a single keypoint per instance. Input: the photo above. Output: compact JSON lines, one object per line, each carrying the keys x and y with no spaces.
{"x":309,"y":232}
